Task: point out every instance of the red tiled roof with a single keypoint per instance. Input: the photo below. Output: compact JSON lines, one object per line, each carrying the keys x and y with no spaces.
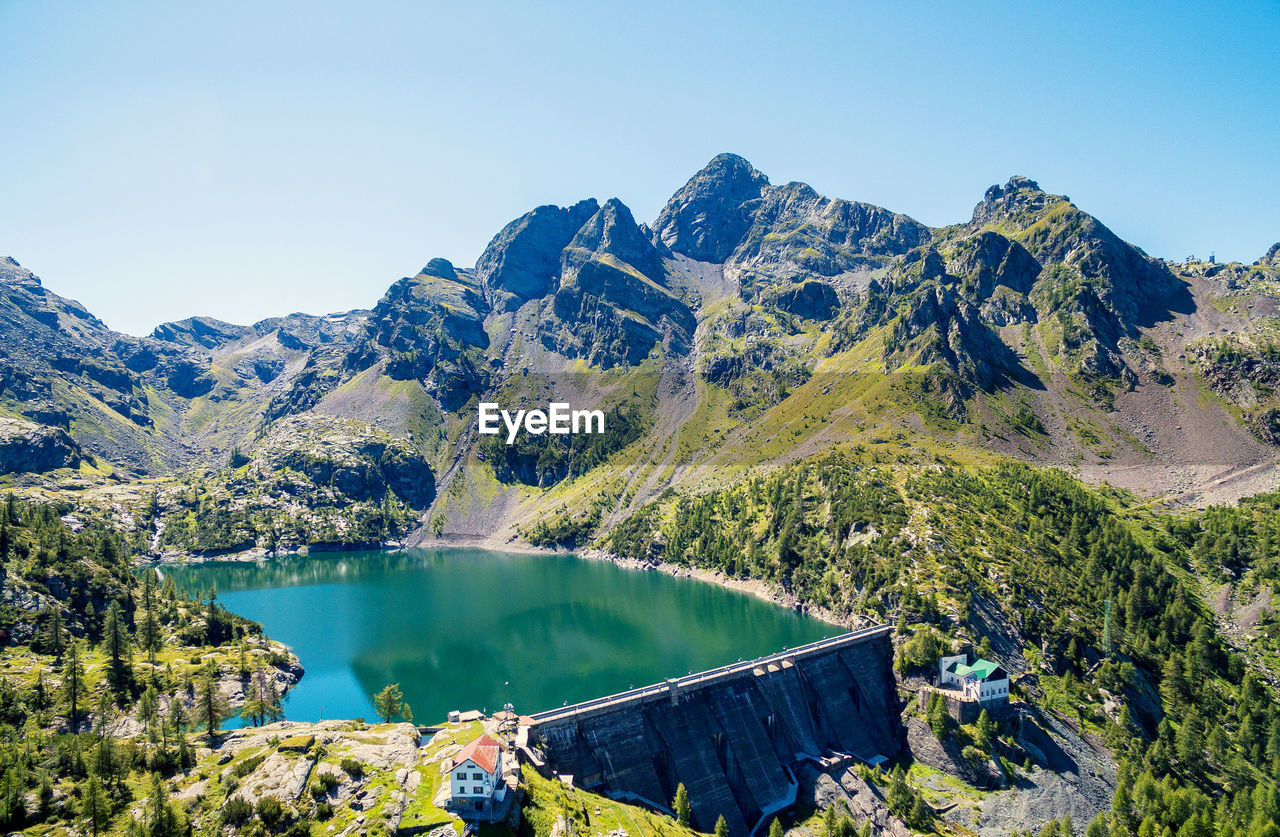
{"x":483,"y":751}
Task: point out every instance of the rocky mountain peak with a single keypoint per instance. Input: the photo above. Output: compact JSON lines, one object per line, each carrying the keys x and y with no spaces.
{"x":614,"y":230}
{"x":711,"y":213}
{"x":11,"y":271}
{"x":441,"y":269}
{"x":1272,"y":256}
{"x":204,"y":332}
{"x":1020,"y":196}
{"x":523,"y":259}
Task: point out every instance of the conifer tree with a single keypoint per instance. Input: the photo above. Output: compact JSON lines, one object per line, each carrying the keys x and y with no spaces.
{"x":681,"y":805}
{"x":210,"y":706}
{"x":115,"y":641}
{"x":73,"y":683}
{"x":149,"y":626}
{"x":388,"y":702}
{"x":95,"y":809}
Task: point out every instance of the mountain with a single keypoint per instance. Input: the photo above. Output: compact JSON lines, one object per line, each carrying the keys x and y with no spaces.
{"x":823,"y":399}
{"x":751,"y":325}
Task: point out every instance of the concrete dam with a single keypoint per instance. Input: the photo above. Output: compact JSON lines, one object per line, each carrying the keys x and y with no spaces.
{"x":732,"y":735}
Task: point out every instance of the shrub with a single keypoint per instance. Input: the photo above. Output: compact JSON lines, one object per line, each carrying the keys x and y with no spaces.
{"x":352,"y":768}
{"x":323,"y":811}
{"x":270,"y":811}
{"x":247,"y":766}
{"x":923,"y":650}
{"x":236,"y":811}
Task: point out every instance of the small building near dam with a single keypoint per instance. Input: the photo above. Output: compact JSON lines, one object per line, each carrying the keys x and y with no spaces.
{"x":732,"y":735}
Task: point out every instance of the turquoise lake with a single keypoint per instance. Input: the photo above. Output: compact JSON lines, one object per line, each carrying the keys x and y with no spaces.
{"x":471,"y":628}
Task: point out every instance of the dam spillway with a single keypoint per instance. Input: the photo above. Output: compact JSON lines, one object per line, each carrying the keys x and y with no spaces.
{"x":732,"y":735}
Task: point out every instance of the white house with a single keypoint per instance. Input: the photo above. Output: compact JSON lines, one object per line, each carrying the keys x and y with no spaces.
{"x":982,"y":681}
{"x":475,"y":780}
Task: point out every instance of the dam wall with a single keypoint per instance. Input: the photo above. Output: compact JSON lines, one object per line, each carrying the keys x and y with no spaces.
{"x":732,"y":735}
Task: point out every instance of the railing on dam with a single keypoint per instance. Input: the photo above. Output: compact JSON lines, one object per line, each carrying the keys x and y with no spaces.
{"x":703,"y":678}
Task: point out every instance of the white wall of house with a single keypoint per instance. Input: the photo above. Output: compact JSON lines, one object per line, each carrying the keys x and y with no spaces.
{"x":946,"y":678}
{"x":986,"y":689}
{"x":468,"y":780}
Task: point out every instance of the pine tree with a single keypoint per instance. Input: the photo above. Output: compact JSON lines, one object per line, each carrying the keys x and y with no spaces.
{"x":775,"y":828}
{"x":177,"y":717}
{"x":210,"y":705}
{"x":681,"y":805}
{"x":95,"y":809}
{"x":164,"y":821}
{"x":921,"y":813}
{"x":149,"y":710}
{"x":115,"y":641}
{"x":149,"y":626}
{"x":73,"y":684}
{"x":51,"y":635}
{"x":937,"y":715}
{"x":899,"y":796}
{"x":722,"y":827}
{"x":262,"y":704}
{"x":986,"y":732}
{"x":388,"y":701}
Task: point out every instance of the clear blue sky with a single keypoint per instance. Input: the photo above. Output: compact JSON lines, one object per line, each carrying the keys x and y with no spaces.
{"x":159,"y":160}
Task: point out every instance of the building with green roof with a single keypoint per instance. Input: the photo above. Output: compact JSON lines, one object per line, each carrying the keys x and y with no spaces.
{"x":983,"y":680}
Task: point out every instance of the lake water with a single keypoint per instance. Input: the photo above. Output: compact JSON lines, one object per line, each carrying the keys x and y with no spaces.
{"x":471,"y":628}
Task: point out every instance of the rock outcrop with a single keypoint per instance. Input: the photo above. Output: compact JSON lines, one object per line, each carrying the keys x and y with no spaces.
{"x":29,"y":447}
{"x":711,"y":213}
{"x":523,"y":260}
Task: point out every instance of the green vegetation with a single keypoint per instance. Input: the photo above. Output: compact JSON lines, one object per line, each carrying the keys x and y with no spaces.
{"x":549,"y":800}
{"x":547,"y":459}
{"x":390,"y":702}
{"x":1039,"y":555}
{"x":89,"y":642}
{"x":788,"y":527}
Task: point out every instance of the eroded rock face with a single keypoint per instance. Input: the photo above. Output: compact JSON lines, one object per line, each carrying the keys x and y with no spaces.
{"x":711,"y":213}
{"x":614,"y":303}
{"x":189,"y":380}
{"x":432,"y":326}
{"x":795,"y":231}
{"x":29,"y":447}
{"x":948,"y":757}
{"x":279,"y":775}
{"x":865,"y":802}
{"x":349,"y":456}
{"x":1055,"y":232}
{"x":811,"y":299}
{"x":523,"y":259}
{"x":205,"y":332}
